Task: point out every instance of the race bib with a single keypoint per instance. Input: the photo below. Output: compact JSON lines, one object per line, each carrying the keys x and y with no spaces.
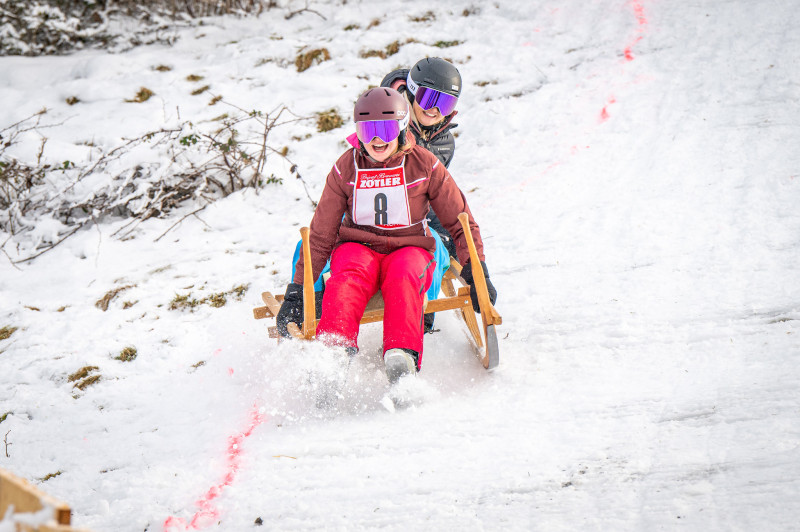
{"x":380,"y":198}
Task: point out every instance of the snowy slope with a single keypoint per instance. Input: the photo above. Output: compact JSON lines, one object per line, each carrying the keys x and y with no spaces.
{"x":633,"y":168}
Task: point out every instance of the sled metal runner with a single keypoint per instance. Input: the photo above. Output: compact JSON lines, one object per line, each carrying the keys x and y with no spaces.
{"x":455,"y":289}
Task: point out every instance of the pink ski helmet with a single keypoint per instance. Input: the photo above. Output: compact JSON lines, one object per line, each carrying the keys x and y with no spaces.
{"x":381,"y":112}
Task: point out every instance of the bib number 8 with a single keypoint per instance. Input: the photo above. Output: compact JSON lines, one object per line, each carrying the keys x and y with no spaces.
{"x":381,"y":205}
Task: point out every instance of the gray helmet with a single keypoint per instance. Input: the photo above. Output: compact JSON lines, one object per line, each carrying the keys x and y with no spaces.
{"x":434,"y":73}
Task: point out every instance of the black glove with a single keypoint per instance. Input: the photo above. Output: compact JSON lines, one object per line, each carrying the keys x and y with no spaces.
{"x":292,"y":309}
{"x":466,"y":274}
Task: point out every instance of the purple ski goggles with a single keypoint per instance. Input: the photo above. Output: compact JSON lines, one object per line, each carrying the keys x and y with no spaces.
{"x":428,"y":98}
{"x":386,"y":130}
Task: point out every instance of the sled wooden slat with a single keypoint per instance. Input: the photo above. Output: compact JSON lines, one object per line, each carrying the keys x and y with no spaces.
{"x":497,"y":319}
{"x":27,"y":498}
{"x":374,"y":310}
{"x":270,"y":310}
{"x":448,"y":303}
{"x":465,"y":311}
{"x":49,"y":528}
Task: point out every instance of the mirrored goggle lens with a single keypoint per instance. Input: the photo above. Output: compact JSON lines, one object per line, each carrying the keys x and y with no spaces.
{"x":386,"y":130}
{"x":428,"y":98}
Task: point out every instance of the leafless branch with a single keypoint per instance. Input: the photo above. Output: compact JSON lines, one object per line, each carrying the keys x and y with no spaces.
{"x":10,"y":260}
{"x":51,"y":246}
{"x":303,"y":10}
{"x":7,"y":443}
{"x":171,"y":227}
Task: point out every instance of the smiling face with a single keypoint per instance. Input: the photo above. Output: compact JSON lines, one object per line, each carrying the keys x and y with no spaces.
{"x":380,"y":150}
{"x":429,"y":117}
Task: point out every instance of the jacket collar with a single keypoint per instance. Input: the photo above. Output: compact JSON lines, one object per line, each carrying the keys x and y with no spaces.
{"x":429,"y":133}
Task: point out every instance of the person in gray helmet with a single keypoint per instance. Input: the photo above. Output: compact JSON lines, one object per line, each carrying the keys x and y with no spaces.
{"x":432,"y":87}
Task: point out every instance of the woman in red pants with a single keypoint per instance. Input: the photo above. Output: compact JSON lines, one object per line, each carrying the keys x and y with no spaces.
{"x":371,"y":221}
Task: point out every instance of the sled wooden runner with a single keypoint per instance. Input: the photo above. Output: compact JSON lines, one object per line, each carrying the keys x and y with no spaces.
{"x":455,"y":289}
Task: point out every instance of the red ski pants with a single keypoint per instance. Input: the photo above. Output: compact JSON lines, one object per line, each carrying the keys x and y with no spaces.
{"x":357,"y":273}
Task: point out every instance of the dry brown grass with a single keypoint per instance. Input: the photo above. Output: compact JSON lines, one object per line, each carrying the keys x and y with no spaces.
{"x":88,"y":381}
{"x":127,"y":354}
{"x":142,"y":95}
{"x":216,"y":300}
{"x":327,"y":120}
{"x":428,"y":16}
{"x":106,"y":300}
{"x":6,"y":332}
{"x":82,"y":373}
{"x":307,"y":60}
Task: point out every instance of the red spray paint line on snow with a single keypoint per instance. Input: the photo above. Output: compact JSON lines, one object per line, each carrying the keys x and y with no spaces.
{"x":604,"y":112}
{"x":208,"y":513}
{"x":641,"y":19}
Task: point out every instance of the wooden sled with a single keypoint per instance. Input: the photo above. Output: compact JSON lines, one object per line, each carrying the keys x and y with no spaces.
{"x":454,"y":287}
{"x":27,"y":499}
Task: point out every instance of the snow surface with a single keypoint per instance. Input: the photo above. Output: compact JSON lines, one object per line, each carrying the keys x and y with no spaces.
{"x":634,"y":168}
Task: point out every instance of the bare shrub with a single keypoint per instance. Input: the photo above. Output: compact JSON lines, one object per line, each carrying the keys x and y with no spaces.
{"x":42,"y":204}
{"x":47,"y":27}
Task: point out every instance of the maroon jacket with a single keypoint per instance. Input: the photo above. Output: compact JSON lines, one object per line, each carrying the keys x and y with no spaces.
{"x":428,"y":183}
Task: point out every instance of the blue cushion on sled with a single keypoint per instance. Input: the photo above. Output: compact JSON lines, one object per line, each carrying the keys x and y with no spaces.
{"x":441,"y":256}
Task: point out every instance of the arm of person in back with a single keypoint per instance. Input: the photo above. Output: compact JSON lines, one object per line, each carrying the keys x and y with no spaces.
{"x":448,"y":202}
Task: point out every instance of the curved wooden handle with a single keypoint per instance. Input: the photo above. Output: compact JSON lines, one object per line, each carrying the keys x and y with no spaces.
{"x":309,"y":309}
{"x":477,"y":270}
{"x":489,"y":315}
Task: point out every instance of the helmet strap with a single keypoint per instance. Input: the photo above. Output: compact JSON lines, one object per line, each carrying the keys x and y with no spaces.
{"x":409,"y":96}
